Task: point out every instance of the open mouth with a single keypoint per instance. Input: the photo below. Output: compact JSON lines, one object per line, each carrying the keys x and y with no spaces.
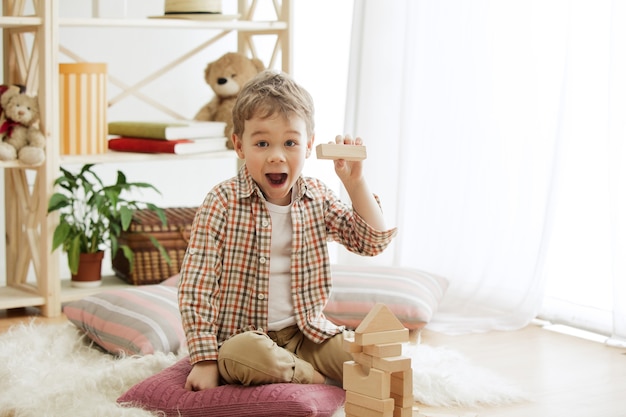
{"x":276,"y":179}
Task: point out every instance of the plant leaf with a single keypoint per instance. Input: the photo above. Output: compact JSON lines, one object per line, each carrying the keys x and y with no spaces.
{"x":126,"y":216}
{"x":128,"y":254}
{"x":57,"y":202}
{"x":73,"y":254}
{"x":161,"y":249}
{"x":60,"y":235}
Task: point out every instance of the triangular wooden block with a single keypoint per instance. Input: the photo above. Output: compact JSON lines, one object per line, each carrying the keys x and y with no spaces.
{"x":379,"y":319}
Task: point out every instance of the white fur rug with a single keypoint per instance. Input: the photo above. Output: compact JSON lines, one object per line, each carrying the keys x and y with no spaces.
{"x":51,"y":370}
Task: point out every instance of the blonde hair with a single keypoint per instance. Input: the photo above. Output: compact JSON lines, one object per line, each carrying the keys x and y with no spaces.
{"x":271,"y":93}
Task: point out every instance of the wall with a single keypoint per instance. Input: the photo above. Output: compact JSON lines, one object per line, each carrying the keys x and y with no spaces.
{"x":320,"y":64}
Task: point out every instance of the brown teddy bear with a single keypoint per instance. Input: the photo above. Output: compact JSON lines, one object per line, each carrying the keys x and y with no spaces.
{"x":19,"y":127}
{"x":12,"y":89}
{"x":226,"y":76}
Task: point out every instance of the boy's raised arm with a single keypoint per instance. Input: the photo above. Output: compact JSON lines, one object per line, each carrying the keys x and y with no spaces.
{"x":351,"y":175}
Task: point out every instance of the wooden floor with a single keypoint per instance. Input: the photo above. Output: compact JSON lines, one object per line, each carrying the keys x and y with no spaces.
{"x":564,"y":375}
{"x":14,"y":316}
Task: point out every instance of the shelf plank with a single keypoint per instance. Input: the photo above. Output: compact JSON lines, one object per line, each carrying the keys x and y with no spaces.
{"x":11,"y":297}
{"x":17,"y":164}
{"x":69,"y":293}
{"x":112,"y":156}
{"x":238,"y":25}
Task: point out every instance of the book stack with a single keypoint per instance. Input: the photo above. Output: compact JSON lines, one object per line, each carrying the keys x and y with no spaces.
{"x":178,"y":137}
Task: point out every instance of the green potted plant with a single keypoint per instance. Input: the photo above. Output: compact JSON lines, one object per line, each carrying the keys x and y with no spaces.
{"x":92,"y":216}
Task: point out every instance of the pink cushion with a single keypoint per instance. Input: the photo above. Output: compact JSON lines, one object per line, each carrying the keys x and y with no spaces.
{"x":165,"y":392}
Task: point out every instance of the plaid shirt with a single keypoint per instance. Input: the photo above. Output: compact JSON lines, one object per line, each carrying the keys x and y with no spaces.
{"x":225,"y":272}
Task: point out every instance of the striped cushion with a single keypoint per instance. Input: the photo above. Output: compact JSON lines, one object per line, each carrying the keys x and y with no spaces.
{"x":412,"y":295}
{"x":134,"y":321}
{"x":146,"y":319}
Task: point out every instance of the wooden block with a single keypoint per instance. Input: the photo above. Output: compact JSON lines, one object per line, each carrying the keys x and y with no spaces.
{"x":335,"y":151}
{"x":393,"y":364}
{"x":363,"y":359}
{"x":402,"y":401}
{"x":375,"y":383}
{"x":387,"y":404}
{"x":402,"y":388}
{"x":403,"y":412}
{"x":383,"y":350}
{"x":361,"y":411}
{"x":402,"y":383}
{"x":406,"y":374}
{"x":379,"y":338}
{"x":349,"y":345}
{"x":379,"y":319}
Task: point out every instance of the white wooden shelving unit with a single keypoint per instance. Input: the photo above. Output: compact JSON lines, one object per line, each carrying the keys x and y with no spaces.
{"x":31,"y":48}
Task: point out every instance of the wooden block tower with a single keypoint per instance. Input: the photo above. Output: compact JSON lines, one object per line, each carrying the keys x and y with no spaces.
{"x":379,"y":381}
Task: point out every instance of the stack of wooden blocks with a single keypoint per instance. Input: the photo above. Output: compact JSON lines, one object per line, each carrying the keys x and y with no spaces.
{"x":379,"y":381}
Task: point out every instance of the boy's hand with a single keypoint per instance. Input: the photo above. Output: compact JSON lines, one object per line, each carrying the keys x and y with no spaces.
{"x":351,"y":175}
{"x":203,"y":375}
{"x":348,"y":171}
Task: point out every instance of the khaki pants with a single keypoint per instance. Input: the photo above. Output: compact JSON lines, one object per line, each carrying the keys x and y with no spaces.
{"x":253,"y":358}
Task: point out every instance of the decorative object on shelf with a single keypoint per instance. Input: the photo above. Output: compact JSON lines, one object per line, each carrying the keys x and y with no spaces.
{"x":149,"y":267}
{"x":83,"y":108}
{"x":94,"y":215}
{"x":11,"y":89}
{"x":170,"y":130}
{"x":195,"y":10}
{"x":89,"y":271}
{"x":21,"y":137}
{"x":177,"y":146}
{"x":177,"y":7}
{"x":198,"y":16}
{"x":226,"y":76}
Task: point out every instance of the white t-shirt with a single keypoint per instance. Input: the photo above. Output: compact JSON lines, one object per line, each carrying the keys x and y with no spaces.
{"x":280,"y":314}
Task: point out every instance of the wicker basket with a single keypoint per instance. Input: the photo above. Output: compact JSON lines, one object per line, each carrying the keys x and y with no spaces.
{"x":149,"y":266}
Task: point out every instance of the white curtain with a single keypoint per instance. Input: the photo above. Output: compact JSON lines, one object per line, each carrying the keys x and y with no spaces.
{"x":482,"y":121}
{"x":617,"y":170}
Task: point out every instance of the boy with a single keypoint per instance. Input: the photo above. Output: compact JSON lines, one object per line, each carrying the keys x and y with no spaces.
{"x":256,"y":274}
